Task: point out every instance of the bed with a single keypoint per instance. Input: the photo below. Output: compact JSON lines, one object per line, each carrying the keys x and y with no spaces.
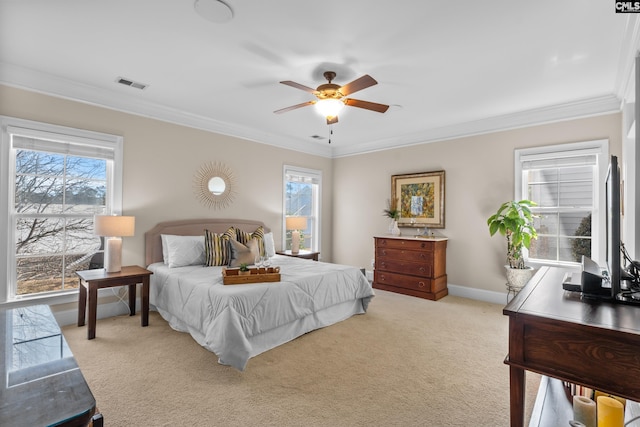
{"x":238,"y":322}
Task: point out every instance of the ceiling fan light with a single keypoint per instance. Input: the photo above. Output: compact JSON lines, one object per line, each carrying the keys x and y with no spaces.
{"x":329,"y":107}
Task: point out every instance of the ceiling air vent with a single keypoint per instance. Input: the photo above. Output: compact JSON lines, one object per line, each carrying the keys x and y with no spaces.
{"x":128,"y":82}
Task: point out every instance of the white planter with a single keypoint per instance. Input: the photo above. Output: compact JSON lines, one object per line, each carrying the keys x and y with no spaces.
{"x":517,"y":278}
{"x":395,"y":230}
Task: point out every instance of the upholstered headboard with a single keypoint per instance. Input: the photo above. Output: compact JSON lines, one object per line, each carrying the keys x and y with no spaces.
{"x":191,"y":227}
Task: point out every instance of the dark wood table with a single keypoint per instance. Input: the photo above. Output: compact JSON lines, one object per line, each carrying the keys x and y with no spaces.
{"x":557,"y":333}
{"x":301,"y":254}
{"x":92,"y":280}
{"x":41,"y":382}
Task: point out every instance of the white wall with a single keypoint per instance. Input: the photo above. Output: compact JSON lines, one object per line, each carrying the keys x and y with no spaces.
{"x":161,"y":160}
{"x":479,"y":173}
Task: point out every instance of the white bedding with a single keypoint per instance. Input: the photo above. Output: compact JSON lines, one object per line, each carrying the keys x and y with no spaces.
{"x":238,"y":322}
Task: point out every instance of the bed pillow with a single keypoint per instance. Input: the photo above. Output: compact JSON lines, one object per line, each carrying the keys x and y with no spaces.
{"x":179,"y":251}
{"x":216,"y":247}
{"x":243,"y":254}
{"x":269,"y":244}
{"x":165,"y":248}
{"x":244,"y":237}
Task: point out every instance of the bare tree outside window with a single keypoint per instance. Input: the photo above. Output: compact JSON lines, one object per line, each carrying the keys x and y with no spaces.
{"x":56,"y":197}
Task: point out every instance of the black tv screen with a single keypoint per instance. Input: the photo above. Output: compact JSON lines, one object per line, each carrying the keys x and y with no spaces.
{"x":614,"y":265}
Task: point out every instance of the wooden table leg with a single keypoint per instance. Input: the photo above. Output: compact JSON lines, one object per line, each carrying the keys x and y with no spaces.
{"x":517,"y":388}
{"x":93,"y":309}
{"x":132,"y":300}
{"x":82,"y":303}
{"x":144,"y":318}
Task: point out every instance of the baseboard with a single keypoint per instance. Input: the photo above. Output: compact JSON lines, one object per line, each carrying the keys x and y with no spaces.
{"x":478,"y":294}
{"x":116,"y":308}
{"x":466,"y":292}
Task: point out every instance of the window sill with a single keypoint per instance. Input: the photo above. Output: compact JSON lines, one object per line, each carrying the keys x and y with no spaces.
{"x":63,"y":298}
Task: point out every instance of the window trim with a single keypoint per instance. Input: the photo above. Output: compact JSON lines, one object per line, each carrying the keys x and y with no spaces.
{"x":599,"y":148}
{"x":12,"y":125}
{"x":311,"y":173}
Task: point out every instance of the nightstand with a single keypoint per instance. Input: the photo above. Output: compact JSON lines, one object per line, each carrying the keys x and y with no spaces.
{"x":92,"y":280}
{"x":302,"y":254}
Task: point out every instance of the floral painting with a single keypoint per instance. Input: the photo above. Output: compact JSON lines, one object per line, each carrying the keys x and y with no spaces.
{"x":421,"y":199}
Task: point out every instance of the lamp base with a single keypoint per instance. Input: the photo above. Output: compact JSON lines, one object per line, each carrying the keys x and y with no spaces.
{"x":295,"y":242}
{"x":113,"y":255}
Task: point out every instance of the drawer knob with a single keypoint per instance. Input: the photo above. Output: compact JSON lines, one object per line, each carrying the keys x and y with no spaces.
{"x":383,"y":264}
{"x":421,"y":284}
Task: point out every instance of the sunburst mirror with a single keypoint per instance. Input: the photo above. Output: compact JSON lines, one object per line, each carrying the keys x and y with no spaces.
{"x":214,"y":185}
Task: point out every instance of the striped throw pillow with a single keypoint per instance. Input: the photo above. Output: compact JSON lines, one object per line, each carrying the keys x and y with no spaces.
{"x":216,"y":247}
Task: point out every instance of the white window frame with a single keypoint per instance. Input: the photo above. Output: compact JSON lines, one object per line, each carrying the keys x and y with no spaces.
{"x":92,"y":140}
{"x":599,"y":148}
{"x":312,"y":174}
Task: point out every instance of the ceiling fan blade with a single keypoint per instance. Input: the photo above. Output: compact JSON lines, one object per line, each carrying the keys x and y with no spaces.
{"x":380,"y":108}
{"x":358,"y":84}
{"x":332,"y":120}
{"x":298,"y":86}
{"x":294,"y":107}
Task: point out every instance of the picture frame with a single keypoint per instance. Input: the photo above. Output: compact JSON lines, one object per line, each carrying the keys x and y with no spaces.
{"x":420,"y":199}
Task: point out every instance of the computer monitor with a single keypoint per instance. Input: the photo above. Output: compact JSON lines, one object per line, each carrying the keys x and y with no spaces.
{"x":613,"y":261}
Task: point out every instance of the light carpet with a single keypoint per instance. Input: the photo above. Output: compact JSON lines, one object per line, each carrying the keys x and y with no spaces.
{"x":406,"y":362}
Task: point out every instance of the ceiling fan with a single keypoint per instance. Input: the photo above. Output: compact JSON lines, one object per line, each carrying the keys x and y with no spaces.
{"x":332,"y":97}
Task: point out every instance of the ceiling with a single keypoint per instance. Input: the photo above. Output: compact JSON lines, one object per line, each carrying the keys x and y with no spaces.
{"x":447,"y":69}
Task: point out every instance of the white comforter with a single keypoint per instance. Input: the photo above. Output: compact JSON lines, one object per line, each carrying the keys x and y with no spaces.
{"x":225,"y":319}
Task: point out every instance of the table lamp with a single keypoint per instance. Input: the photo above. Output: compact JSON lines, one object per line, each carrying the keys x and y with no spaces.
{"x":113,"y":228}
{"x":295,"y":224}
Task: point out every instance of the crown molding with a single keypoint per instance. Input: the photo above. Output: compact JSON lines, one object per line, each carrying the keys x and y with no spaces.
{"x":47,"y":84}
{"x":605,"y":104}
{"x":23,"y":78}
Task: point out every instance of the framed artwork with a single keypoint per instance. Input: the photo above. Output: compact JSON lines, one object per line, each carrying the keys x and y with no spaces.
{"x":420,"y":199}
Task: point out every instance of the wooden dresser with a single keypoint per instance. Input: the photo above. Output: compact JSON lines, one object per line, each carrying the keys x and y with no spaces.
{"x":411,"y":266}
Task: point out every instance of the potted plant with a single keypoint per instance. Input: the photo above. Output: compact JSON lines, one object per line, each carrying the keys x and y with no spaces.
{"x":394,"y":213}
{"x":514,"y":220}
{"x":244,"y":270}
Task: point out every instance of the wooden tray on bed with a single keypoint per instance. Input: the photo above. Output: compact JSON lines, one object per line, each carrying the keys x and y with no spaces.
{"x":231,"y":276}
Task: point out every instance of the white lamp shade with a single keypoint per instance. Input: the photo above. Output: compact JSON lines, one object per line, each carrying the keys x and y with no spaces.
{"x":296,"y":223}
{"x":114,"y":226}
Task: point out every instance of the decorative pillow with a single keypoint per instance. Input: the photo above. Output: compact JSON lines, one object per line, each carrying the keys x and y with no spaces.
{"x":243,"y":254}
{"x":269,"y":244}
{"x":182,"y":250}
{"x":216,"y":247}
{"x":244,"y":237}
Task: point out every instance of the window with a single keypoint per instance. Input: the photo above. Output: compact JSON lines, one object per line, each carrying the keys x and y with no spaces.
{"x":567,"y":183}
{"x":302,"y":190}
{"x":54,"y":180}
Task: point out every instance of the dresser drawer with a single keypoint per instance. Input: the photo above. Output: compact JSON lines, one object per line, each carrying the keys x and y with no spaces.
{"x":411,"y":244}
{"x":402,"y":281}
{"x":404,"y":254}
{"x":423,"y":269}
